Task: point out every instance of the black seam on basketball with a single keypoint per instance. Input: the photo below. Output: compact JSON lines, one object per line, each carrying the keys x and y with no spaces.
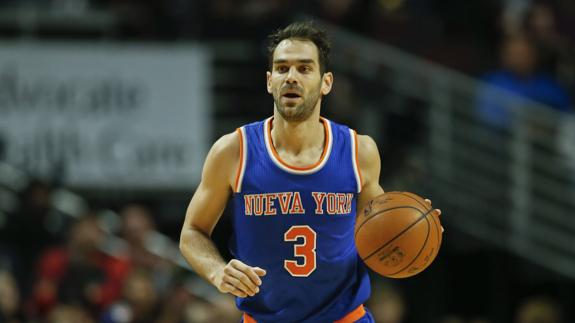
{"x":425,"y":207}
{"x":398,"y":235}
{"x":420,"y":250}
{"x":382,"y":211}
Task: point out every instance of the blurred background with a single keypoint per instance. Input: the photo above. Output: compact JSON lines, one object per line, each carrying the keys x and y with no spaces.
{"x":108,"y":108}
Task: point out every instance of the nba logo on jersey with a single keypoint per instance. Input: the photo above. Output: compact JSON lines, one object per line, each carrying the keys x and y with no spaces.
{"x":298,"y":224}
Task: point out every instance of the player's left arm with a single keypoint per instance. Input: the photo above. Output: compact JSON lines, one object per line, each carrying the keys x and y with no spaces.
{"x":369,"y":168}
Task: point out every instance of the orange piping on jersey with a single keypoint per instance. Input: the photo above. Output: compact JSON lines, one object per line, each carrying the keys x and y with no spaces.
{"x":357,"y":158}
{"x":351,"y":317}
{"x":323,"y":154}
{"x":248,"y":319}
{"x":241,"y":163}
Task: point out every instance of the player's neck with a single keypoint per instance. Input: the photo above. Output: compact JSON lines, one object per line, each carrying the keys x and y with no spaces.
{"x":296,"y":137}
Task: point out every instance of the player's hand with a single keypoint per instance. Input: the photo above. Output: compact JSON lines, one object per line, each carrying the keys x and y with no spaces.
{"x":239,"y":279}
{"x":436,"y":211}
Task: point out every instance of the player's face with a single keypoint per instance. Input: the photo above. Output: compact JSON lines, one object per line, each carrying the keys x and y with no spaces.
{"x":295,"y":80}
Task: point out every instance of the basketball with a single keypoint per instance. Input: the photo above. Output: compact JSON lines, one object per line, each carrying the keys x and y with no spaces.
{"x":397,"y":235}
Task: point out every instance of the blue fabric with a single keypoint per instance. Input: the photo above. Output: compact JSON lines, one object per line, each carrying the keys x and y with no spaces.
{"x":539,"y":88}
{"x":367,"y":318}
{"x":340,"y":281}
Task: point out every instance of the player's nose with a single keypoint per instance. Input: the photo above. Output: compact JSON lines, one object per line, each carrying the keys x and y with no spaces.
{"x":291,"y":75}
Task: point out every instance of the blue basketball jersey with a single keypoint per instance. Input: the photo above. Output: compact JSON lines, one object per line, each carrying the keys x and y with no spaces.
{"x":297,"y":223}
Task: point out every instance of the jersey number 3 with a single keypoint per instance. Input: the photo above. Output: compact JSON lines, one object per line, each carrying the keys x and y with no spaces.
{"x":304,"y":250}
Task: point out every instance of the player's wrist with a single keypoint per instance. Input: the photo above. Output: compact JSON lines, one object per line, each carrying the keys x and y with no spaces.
{"x":214,"y":277}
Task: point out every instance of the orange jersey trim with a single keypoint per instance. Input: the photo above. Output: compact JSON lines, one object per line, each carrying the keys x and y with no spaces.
{"x":357,"y":158}
{"x":351,"y":317}
{"x":241,"y":163}
{"x":304,"y":168}
{"x":248,"y":319}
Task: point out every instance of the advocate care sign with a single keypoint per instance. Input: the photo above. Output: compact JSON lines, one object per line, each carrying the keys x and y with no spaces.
{"x":106,"y":116}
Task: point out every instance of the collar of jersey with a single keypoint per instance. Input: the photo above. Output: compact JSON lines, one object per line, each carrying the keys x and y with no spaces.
{"x":310,"y":169}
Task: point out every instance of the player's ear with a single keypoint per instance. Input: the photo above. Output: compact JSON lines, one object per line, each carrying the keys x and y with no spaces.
{"x":269,"y":81}
{"x":326,"y":83}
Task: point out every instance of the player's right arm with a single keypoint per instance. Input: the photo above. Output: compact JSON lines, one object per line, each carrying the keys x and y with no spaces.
{"x":202,"y":215}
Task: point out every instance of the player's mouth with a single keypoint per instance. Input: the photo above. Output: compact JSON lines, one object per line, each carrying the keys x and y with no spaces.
{"x":291,"y":96}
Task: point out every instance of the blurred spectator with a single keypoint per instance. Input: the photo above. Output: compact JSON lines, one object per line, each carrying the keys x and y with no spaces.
{"x":35,"y":207}
{"x":180,"y":305}
{"x":556,"y":52}
{"x":147,"y":248}
{"x":197,"y":302}
{"x":78,"y":272}
{"x":138,"y":226}
{"x":540,"y":25}
{"x":207,"y":300}
{"x":10,"y":307}
{"x":539,"y":309}
{"x":514,"y":12}
{"x":23,"y":242}
{"x":139,"y":303}
{"x":519,"y":76}
{"x":69,"y":314}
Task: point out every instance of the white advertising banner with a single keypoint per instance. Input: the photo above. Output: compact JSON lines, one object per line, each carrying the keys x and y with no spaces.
{"x":103,"y":116}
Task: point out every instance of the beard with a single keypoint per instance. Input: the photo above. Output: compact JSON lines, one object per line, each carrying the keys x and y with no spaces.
{"x":298,"y":111}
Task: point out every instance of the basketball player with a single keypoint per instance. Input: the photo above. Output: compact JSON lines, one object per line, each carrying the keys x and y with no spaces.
{"x":296,"y":180}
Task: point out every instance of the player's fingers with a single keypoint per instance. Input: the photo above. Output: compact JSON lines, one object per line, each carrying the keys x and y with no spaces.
{"x":243,"y":277}
{"x":253,"y":276}
{"x":428,"y":201}
{"x":259,"y":271}
{"x":229,"y":288}
{"x":247,"y":271}
{"x":438,"y":213}
{"x":239,"y":284}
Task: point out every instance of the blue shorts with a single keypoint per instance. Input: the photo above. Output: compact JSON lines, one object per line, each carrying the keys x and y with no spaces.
{"x":366,"y":318}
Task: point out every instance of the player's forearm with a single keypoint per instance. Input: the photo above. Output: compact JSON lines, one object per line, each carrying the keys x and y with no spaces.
{"x":201,"y":253}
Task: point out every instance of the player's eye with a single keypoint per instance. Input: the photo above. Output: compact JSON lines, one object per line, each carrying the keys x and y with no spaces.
{"x":281,"y":68}
{"x":305,"y":69}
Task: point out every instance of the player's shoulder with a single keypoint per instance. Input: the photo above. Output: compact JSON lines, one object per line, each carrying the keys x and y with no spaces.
{"x":225,"y":150}
{"x":366,"y":141}
{"x":367,"y":148}
{"x":227,"y":146}
{"x":223,"y":158}
{"x":230,"y":145}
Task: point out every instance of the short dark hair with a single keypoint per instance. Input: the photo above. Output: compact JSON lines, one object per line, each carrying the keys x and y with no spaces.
{"x":304,"y":31}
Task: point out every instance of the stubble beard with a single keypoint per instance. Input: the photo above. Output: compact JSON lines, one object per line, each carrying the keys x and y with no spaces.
{"x":301,"y":111}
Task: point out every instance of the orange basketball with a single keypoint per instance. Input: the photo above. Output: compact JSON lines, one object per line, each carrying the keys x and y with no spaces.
{"x":397,"y":235}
